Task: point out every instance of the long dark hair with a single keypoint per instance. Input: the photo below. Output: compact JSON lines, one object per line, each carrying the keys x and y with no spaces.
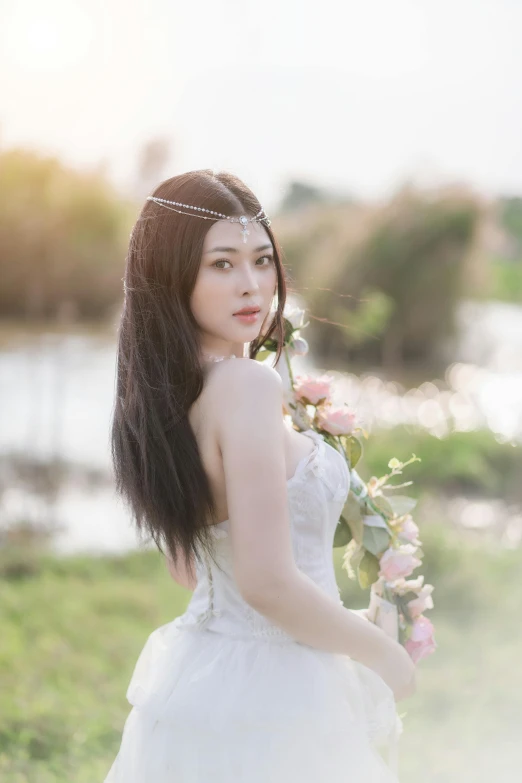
{"x":156,"y":459}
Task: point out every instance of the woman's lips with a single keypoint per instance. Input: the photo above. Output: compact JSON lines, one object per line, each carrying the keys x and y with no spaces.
{"x":247,"y":318}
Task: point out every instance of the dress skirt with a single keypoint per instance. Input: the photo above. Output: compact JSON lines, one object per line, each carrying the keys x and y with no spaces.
{"x":210,"y":707}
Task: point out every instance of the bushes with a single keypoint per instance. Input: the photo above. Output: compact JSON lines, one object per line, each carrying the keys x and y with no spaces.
{"x":472,"y":463}
{"x":63,"y":239}
{"x":384,"y":281}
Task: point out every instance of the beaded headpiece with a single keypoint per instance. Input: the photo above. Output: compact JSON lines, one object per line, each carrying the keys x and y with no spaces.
{"x":242,"y":219}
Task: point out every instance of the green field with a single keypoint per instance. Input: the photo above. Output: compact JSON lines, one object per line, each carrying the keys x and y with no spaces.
{"x":72,"y":629}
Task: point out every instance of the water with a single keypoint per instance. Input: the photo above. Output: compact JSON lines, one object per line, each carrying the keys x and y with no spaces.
{"x":58,"y":391}
{"x":56,"y":398}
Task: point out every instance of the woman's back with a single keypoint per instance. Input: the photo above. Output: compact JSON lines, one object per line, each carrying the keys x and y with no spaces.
{"x":203,"y":416}
{"x":316,"y":493}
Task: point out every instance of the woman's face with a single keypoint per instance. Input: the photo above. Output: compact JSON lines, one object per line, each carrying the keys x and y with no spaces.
{"x":233,"y":274}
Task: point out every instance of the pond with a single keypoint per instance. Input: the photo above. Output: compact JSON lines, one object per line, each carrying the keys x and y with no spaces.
{"x":56,"y":398}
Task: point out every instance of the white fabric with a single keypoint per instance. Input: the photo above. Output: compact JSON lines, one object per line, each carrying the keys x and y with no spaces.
{"x":222,"y":695}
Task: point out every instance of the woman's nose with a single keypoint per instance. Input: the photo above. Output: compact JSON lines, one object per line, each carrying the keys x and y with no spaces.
{"x":249,"y":279}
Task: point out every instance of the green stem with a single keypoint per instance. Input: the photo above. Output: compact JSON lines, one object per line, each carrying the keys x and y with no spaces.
{"x":371,"y":504}
{"x":289,"y":365}
{"x":339,"y":441}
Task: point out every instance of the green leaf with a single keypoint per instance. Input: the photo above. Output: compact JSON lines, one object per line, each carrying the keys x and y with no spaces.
{"x":368,"y":572}
{"x":375,"y":539}
{"x":384,"y":505}
{"x":343,"y":534}
{"x":356,"y":556}
{"x":352,"y":514}
{"x":376,"y":520}
{"x":352,"y":447}
{"x":262,"y":355}
{"x":402,"y":504}
{"x":288,"y":329}
{"x":270,"y":345}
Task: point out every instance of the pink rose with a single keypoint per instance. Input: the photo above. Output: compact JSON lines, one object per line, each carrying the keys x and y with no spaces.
{"x":422,"y":602}
{"x":408,"y":530}
{"x":336,"y":421}
{"x":421,"y":642}
{"x":398,"y":562}
{"x":312,"y":391}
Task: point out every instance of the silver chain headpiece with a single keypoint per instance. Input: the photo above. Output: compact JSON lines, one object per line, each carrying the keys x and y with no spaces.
{"x":242,"y":219}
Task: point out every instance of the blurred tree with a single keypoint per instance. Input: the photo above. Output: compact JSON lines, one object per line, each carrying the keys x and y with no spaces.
{"x":63,"y":238}
{"x":383,"y":280}
{"x":300,"y":194}
{"x":416,"y":256}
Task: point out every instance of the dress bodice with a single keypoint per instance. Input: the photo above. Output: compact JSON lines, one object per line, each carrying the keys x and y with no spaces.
{"x":316,"y":495}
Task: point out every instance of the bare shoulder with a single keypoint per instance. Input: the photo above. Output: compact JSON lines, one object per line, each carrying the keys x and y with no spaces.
{"x":231,"y":378}
{"x":246,"y":389}
{"x":244,"y":369}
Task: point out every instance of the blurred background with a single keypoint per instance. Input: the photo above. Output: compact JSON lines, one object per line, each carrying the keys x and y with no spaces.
{"x":383,"y":139}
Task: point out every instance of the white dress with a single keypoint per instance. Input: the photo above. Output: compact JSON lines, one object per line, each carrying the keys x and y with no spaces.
{"x":222,"y":695}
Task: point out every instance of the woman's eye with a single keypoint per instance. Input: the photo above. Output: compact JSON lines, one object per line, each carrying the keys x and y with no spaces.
{"x":225,"y":261}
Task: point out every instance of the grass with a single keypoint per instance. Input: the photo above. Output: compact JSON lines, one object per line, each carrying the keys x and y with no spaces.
{"x":72,"y":629}
{"x":471,"y":463}
{"x":506,"y":280}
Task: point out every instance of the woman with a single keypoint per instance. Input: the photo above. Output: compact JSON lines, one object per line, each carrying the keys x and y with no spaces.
{"x":267,"y":677}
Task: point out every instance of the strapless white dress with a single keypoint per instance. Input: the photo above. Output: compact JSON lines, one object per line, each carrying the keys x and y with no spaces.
{"x":222,"y":695}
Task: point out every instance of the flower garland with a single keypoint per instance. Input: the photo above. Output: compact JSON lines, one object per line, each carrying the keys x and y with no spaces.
{"x":382,"y":545}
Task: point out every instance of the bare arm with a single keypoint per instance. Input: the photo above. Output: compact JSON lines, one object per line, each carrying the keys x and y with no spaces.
{"x":251,"y":438}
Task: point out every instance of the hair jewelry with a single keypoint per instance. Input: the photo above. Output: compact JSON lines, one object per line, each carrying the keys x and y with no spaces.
{"x":242,"y":219}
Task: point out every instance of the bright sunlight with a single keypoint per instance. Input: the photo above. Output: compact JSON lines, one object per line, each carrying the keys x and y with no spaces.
{"x":49,"y":37}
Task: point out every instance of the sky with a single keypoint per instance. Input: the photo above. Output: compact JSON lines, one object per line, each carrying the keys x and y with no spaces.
{"x":353,"y":96}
